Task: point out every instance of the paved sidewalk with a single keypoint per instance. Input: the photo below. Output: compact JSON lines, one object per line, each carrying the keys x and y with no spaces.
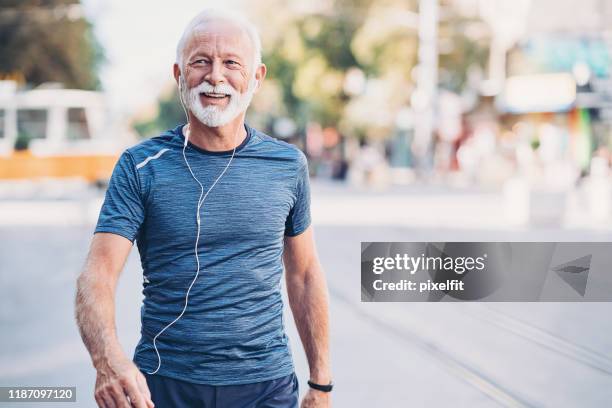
{"x":384,"y":355}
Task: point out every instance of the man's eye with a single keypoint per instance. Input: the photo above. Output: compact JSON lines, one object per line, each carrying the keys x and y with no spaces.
{"x":231,"y":62}
{"x":200,"y":61}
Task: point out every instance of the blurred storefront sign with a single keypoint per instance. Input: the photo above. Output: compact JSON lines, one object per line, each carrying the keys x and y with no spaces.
{"x":561,"y":53}
{"x":538,"y":93}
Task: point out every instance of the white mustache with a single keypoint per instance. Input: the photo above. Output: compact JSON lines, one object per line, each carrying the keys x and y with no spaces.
{"x":221,"y":88}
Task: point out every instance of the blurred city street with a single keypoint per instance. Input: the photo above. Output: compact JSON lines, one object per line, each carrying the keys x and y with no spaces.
{"x":383,"y":354}
{"x":421,"y":120}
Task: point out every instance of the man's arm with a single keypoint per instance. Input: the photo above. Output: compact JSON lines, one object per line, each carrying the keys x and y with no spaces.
{"x":118,"y":378}
{"x":308,"y":299}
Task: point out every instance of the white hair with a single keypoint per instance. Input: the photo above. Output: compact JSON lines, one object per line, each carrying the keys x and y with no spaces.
{"x":216,"y":15}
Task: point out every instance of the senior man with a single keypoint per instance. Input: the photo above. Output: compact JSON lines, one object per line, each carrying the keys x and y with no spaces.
{"x":215,"y":207}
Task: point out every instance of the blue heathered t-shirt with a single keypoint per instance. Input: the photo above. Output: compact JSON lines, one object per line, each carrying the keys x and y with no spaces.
{"x":232,"y":331}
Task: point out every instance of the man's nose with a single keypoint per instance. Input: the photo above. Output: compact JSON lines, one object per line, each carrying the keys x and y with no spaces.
{"x":215,"y":75}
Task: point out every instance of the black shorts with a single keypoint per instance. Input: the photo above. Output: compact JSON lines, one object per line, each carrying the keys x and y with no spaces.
{"x":170,"y":393}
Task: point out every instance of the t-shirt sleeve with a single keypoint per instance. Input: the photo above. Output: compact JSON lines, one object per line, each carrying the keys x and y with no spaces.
{"x":299,"y":215}
{"x":123,"y":211}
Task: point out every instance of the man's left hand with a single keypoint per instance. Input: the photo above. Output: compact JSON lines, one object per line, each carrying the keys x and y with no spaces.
{"x":316,"y":399}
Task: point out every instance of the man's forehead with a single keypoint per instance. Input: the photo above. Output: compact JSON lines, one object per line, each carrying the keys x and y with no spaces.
{"x":219,"y":32}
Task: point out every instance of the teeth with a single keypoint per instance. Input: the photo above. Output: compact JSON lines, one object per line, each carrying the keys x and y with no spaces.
{"x":212,"y":95}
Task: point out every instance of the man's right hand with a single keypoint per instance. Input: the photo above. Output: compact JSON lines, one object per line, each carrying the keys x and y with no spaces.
{"x":120,"y":384}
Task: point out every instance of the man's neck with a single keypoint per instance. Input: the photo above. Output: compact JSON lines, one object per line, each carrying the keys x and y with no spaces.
{"x":216,"y":139}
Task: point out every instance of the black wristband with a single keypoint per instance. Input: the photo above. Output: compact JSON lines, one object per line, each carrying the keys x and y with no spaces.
{"x":320,"y":387}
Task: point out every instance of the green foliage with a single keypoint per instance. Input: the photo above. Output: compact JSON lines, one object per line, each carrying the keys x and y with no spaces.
{"x":331,"y":36}
{"x":312,"y":56}
{"x":169,"y":115}
{"x":463,"y":52}
{"x":44,"y":41}
{"x":309,"y":62}
{"x":22,"y":142}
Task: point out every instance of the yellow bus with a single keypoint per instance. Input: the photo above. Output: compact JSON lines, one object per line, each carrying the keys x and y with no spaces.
{"x":57,"y":133}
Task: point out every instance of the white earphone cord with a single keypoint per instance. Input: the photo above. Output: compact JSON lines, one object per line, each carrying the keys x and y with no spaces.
{"x":201,"y":200}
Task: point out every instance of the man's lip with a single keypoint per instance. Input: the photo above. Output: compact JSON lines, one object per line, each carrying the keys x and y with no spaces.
{"x":214,"y":95}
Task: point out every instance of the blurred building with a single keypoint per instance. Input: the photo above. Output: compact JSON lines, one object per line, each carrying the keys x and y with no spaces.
{"x":558,"y":85}
{"x":544,"y":99}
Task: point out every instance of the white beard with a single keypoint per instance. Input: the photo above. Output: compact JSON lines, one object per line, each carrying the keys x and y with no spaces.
{"x":215,"y":116}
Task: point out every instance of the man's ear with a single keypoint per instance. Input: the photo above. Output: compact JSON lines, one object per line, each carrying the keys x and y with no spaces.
{"x":260,"y":74}
{"x":176,"y":70}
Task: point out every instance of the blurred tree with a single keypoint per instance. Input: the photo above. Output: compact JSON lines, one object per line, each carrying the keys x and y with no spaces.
{"x":313,"y":50}
{"x":463,"y":45}
{"x":48,"y":41}
{"x":309,"y":62}
{"x":168,"y":114}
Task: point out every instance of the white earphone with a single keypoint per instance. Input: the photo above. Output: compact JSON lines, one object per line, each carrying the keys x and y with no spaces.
{"x":201,"y":200}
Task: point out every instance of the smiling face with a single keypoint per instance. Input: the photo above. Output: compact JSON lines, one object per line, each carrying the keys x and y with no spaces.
{"x":219,"y":72}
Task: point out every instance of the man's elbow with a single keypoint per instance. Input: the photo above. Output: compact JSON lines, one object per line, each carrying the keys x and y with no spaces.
{"x":84,"y":281}
{"x":306,"y":274}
